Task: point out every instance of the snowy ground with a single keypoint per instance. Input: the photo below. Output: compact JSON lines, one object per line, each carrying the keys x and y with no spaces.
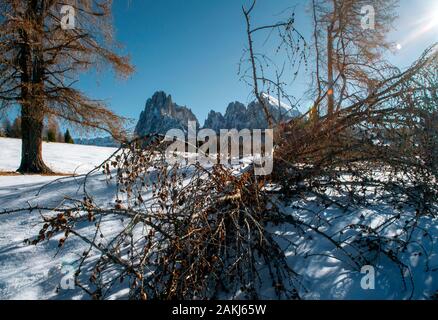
{"x":35,"y":272}
{"x":60,"y":157}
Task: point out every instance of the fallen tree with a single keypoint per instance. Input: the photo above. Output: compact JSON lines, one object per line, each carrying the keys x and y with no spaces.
{"x":191,"y":232}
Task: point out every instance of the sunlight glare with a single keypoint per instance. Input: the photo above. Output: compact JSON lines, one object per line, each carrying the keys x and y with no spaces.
{"x":426,"y":26}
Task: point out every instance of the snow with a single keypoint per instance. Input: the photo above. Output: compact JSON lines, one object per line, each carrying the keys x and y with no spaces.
{"x":327,"y":277}
{"x":34,"y":272}
{"x":78,"y":159}
{"x":273,"y":101}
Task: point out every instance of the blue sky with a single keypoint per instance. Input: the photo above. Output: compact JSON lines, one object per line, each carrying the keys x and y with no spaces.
{"x":191,"y":49}
{"x":188,"y":48}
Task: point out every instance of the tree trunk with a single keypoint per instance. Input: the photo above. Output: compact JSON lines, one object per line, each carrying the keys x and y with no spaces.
{"x":31,"y":147}
{"x":254,"y":69}
{"x":431,"y":128}
{"x":32,"y":88}
{"x":330,"y":93}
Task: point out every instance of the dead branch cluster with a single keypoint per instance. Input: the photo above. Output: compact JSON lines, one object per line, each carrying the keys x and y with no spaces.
{"x":195,"y":233}
{"x":387,"y":141}
{"x":188,"y":232}
{"x":379,"y":154}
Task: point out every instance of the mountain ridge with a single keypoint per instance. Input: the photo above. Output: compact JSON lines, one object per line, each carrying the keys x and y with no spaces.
{"x":162,"y":114}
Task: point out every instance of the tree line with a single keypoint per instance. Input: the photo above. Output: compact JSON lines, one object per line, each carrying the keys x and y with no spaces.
{"x":51,"y":132}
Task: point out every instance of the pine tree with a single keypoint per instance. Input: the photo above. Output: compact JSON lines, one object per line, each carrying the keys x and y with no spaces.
{"x":68,"y":138}
{"x":51,"y":136}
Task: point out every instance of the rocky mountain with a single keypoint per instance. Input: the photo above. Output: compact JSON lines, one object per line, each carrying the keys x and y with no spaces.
{"x":162,"y":114}
{"x":215,"y":121}
{"x":238,"y":116}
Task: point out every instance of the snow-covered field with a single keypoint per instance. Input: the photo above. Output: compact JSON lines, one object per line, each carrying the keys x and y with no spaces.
{"x":35,"y":272}
{"x":60,"y":157}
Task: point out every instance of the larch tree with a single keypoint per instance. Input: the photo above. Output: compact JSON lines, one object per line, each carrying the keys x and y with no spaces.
{"x":44,"y":45}
{"x":349,"y":44}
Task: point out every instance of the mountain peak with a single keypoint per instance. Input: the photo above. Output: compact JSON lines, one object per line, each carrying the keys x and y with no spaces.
{"x":162,"y":114}
{"x":274,"y":102}
{"x":160,"y":97}
{"x":238,"y":116}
